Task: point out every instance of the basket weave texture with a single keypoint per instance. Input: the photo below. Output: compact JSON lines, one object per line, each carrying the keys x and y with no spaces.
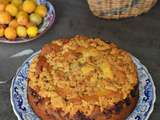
{"x":116,"y":9}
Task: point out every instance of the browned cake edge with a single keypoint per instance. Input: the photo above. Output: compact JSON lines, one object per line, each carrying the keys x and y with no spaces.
{"x":119,"y":111}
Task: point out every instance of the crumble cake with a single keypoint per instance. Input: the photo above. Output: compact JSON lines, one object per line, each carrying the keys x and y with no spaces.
{"x":82,"y":79}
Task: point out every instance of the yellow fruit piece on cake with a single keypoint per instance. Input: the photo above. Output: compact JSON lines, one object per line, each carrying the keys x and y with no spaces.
{"x":106,"y":69}
{"x":87,"y":69}
{"x":90,"y":52}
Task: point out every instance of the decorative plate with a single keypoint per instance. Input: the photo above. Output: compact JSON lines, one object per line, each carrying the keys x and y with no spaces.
{"x":23,"y":111}
{"x":48,"y":20}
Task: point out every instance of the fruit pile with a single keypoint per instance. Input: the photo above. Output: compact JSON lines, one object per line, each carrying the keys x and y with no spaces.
{"x":20,"y":18}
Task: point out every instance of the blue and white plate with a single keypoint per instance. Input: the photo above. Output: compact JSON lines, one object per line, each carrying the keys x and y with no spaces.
{"x":23,"y":111}
{"x":48,"y":20}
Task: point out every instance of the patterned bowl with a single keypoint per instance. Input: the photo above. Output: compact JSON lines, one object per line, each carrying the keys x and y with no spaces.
{"x":23,"y":111}
{"x":47,"y":23}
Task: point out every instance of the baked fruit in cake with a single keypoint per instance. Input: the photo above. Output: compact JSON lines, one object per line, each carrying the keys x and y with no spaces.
{"x":82,"y":79}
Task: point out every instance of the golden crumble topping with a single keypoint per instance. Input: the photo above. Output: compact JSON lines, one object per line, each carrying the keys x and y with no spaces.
{"x":81,"y":73}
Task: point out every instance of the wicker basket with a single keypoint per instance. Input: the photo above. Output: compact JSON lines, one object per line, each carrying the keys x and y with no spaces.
{"x":115,"y":9}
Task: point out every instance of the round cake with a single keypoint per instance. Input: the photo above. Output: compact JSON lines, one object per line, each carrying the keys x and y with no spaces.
{"x":82,"y":79}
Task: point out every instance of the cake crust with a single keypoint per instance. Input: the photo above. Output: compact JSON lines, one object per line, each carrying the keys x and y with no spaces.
{"x":82,"y":79}
{"x":119,"y":111}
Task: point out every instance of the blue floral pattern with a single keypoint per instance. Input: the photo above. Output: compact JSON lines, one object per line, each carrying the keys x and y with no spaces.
{"x":23,"y":110}
{"x":47,"y":23}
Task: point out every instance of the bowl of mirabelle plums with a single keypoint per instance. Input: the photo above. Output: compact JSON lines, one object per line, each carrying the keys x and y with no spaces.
{"x":24,"y":20}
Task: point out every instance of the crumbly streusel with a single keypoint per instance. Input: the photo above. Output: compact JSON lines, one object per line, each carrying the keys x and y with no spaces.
{"x":81,"y":73}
